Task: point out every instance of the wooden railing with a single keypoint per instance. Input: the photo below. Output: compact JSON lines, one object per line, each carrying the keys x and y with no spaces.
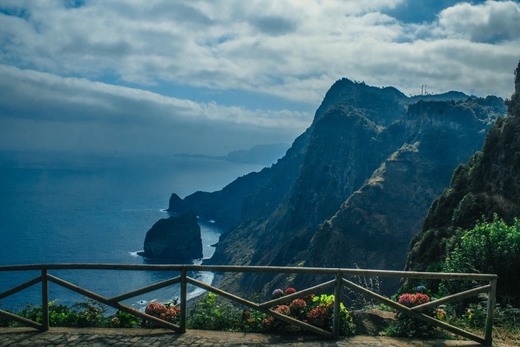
{"x":338,"y":282}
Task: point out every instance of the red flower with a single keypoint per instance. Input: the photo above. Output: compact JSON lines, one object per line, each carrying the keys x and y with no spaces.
{"x":290,"y":290}
{"x":268,"y":322}
{"x":318,"y":316}
{"x":298,"y":304}
{"x":309,"y":298}
{"x":283,"y":309}
{"x":411,"y":300}
{"x":167,"y":312}
{"x":421,"y":299}
{"x":407,"y":299}
{"x":155,"y":307}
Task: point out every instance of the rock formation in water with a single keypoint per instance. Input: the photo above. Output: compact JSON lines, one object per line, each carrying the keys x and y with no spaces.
{"x":174,"y":238}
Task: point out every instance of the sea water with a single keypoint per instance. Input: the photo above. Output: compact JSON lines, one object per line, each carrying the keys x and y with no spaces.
{"x":96,"y":209}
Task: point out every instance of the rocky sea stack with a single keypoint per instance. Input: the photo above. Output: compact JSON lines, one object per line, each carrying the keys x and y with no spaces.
{"x":174,"y":238}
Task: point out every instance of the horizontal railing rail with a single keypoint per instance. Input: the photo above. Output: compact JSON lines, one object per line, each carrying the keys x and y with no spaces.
{"x":337,"y":283}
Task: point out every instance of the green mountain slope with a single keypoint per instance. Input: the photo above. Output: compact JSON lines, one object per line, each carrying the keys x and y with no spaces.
{"x":488,"y":184}
{"x":366,"y":169}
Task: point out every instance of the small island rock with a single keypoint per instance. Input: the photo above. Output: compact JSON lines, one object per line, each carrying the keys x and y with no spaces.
{"x":174,"y":238}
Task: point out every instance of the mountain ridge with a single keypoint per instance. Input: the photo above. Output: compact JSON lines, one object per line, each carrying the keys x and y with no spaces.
{"x":357,"y":130}
{"x":481,"y":189}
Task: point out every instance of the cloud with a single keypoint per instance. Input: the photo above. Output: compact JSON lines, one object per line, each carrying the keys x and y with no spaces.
{"x":274,"y":25}
{"x":276,"y":48}
{"x":490,"y":22}
{"x":58,"y":105}
{"x":112,"y":61}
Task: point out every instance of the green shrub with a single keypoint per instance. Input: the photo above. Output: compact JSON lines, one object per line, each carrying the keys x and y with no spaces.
{"x":125,"y":320}
{"x":252,"y":321}
{"x":89,"y":314}
{"x":490,"y":247}
{"x":4,"y":322}
{"x":212,"y":314}
{"x":83,"y":314}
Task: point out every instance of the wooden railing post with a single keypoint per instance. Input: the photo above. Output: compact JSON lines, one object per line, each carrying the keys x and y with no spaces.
{"x":184,"y":299}
{"x":45,"y":301}
{"x":337,"y":306}
{"x":492,"y":300}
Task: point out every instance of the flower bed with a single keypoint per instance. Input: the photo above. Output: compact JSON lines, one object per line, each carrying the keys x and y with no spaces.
{"x":311,"y":309}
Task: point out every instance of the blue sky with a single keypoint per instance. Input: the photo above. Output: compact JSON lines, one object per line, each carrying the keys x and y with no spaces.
{"x":152,"y":76}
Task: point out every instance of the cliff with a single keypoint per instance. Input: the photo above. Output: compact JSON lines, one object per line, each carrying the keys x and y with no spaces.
{"x":353,"y":189}
{"x":488,"y":184}
{"x":229,"y":205}
{"x":174,"y":238}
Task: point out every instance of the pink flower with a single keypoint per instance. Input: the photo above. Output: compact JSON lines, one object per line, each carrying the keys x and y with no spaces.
{"x":309,"y":298}
{"x":155,"y":307}
{"x":407,"y":299}
{"x":421,"y":299}
{"x":440,"y":313}
{"x":268,"y":321}
{"x":277,"y":293}
{"x":283,"y":309}
{"x":290,"y":290}
{"x":411,"y":300}
{"x":298,"y":304}
{"x":318,"y":316}
{"x":167,"y":312}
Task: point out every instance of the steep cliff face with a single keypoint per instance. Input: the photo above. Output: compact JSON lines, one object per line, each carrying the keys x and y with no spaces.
{"x":343,"y":151}
{"x":174,"y":238}
{"x":381,"y":105}
{"x":251,"y":196}
{"x":373,"y":228}
{"x":353,"y":189}
{"x":488,"y":184}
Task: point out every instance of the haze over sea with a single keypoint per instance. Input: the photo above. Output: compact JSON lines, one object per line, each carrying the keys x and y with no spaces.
{"x":92,"y":209}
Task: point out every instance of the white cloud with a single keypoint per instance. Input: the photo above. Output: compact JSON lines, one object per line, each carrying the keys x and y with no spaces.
{"x":490,"y":22}
{"x":290,"y":50}
{"x":56,"y":103}
{"x":252,"y":45}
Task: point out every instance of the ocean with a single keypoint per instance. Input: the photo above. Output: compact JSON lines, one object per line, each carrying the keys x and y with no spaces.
{"x":96,"y":209}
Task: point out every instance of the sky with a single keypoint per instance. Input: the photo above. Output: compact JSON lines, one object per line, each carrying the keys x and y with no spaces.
{"x":209,"y":77}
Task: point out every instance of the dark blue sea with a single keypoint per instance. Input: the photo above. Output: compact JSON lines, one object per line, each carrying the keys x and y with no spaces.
{"x":60,"y":208}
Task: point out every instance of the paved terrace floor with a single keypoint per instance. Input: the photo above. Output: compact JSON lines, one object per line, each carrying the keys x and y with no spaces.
{"x":161,"y":337}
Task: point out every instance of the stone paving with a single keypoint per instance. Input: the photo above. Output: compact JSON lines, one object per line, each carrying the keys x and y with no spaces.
{"x":160,"y":337}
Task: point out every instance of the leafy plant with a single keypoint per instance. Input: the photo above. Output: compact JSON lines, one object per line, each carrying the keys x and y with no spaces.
{"x":312,"y":309}
{"x":490,"y":247}
{"x":252,"y":321}
{"x":4,"y":322}
{"x":212,"y":314}
{"x":406,"y":326}
{"x":84,"y":314}
{"x":90,"y":314}
{"x":125,"y":320}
